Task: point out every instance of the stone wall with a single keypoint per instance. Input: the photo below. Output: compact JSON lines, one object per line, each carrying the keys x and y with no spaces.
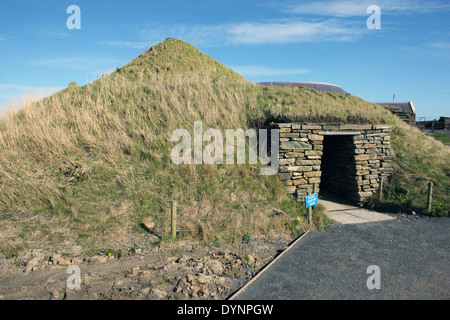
{"x":348,"y":159}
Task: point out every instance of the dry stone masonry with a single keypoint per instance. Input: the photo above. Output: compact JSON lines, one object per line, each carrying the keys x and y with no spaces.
{"x":347,"y":160}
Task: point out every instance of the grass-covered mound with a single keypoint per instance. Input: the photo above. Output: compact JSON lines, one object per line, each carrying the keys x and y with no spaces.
{"x":88,"y":164}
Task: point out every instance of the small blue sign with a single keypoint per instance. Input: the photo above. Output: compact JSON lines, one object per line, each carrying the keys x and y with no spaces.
{"x":311,"y":200}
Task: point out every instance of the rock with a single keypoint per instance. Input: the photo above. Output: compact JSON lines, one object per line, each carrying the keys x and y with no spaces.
{"x":55,"y":295}
{"x":159,"y":294}
{"x":193,"y":291}
{"x":190,"y":278}
{"x":294,"y":145}
{"x":215,"y":266}
{"x":33,"y":264}
{"x":204,"y":279}
{"x":136,"y":270}
{"x":220,"y":282}
{"x":198,"y":267}
{"x":58,"y":259}
{"x":145,"y":290}
{"x":145,"y":274}
{"x":183,"y":259}
{"x":153,"y":238}
{"x":290,"y":189}
{"x":149,"y":222}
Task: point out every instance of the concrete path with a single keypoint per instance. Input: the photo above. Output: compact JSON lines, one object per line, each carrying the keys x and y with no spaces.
{"x":343,"y":212}
{"x":412,"y":255}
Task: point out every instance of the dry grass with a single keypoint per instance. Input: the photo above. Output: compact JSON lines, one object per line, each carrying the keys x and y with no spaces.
{"x":97,"y":158}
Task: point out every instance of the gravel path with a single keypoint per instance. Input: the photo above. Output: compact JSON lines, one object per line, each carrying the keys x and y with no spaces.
{"x":412,"y":253}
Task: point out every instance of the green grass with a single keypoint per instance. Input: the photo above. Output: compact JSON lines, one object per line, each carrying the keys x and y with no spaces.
{"x":419,"y":159}
{"x":444,"y":138}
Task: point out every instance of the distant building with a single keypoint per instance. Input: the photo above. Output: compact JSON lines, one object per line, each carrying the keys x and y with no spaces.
{"x":319,"y":86}
{"x":444,"y":123}
{"x":404,"y":110}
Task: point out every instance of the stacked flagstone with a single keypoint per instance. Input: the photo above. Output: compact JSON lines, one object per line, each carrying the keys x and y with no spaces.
{"x":354,"y":159}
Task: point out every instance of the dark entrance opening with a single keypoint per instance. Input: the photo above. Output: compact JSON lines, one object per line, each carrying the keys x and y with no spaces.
{"x":338,"y":167}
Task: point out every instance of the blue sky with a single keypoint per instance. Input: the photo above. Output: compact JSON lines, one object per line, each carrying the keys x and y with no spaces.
{"x":322,"y":41}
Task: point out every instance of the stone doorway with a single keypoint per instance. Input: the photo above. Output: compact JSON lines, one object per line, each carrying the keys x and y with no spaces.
{"x":349,"y":160}
{"x":338,"y":166}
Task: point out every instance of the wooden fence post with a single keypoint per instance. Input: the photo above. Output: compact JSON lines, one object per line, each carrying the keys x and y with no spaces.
{"x":173,"y":224}
{"x":430,"y":196}
{"x":309,"y":216}
{"x":380,"y":189}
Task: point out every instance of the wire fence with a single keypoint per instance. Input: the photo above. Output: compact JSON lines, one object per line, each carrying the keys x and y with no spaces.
{"x":206,"y":215}
{"x":171,"y":220}
{"x":108,"y":228}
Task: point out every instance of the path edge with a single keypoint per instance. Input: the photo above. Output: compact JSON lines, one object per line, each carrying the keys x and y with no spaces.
{"x":242,"y":289}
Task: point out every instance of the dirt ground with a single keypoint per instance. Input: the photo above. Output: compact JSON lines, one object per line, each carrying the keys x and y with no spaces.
{"x":178,"y":271}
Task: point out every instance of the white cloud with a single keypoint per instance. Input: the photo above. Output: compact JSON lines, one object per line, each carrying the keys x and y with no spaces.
{"x":16,"y":94}
{"x":75,"y":63}
{"x":439,"y":45}
{"x":352,"y":8}
{"x":56,"y":61}
{"x":266,"y":32}
{"x":128,"y":44}
{"x":252,"y":71}
{"x":331,"y":27}
{"x":294,"y":31}
{"x":200,"y":35}
{"x":9,"y":87}
{"x":52,"y":34}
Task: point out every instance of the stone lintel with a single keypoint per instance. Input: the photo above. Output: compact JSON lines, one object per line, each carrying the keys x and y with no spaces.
{"x":339,"y":133}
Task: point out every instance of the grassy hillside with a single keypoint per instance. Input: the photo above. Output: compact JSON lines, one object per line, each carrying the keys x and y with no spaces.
{"x":88,"y":164}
